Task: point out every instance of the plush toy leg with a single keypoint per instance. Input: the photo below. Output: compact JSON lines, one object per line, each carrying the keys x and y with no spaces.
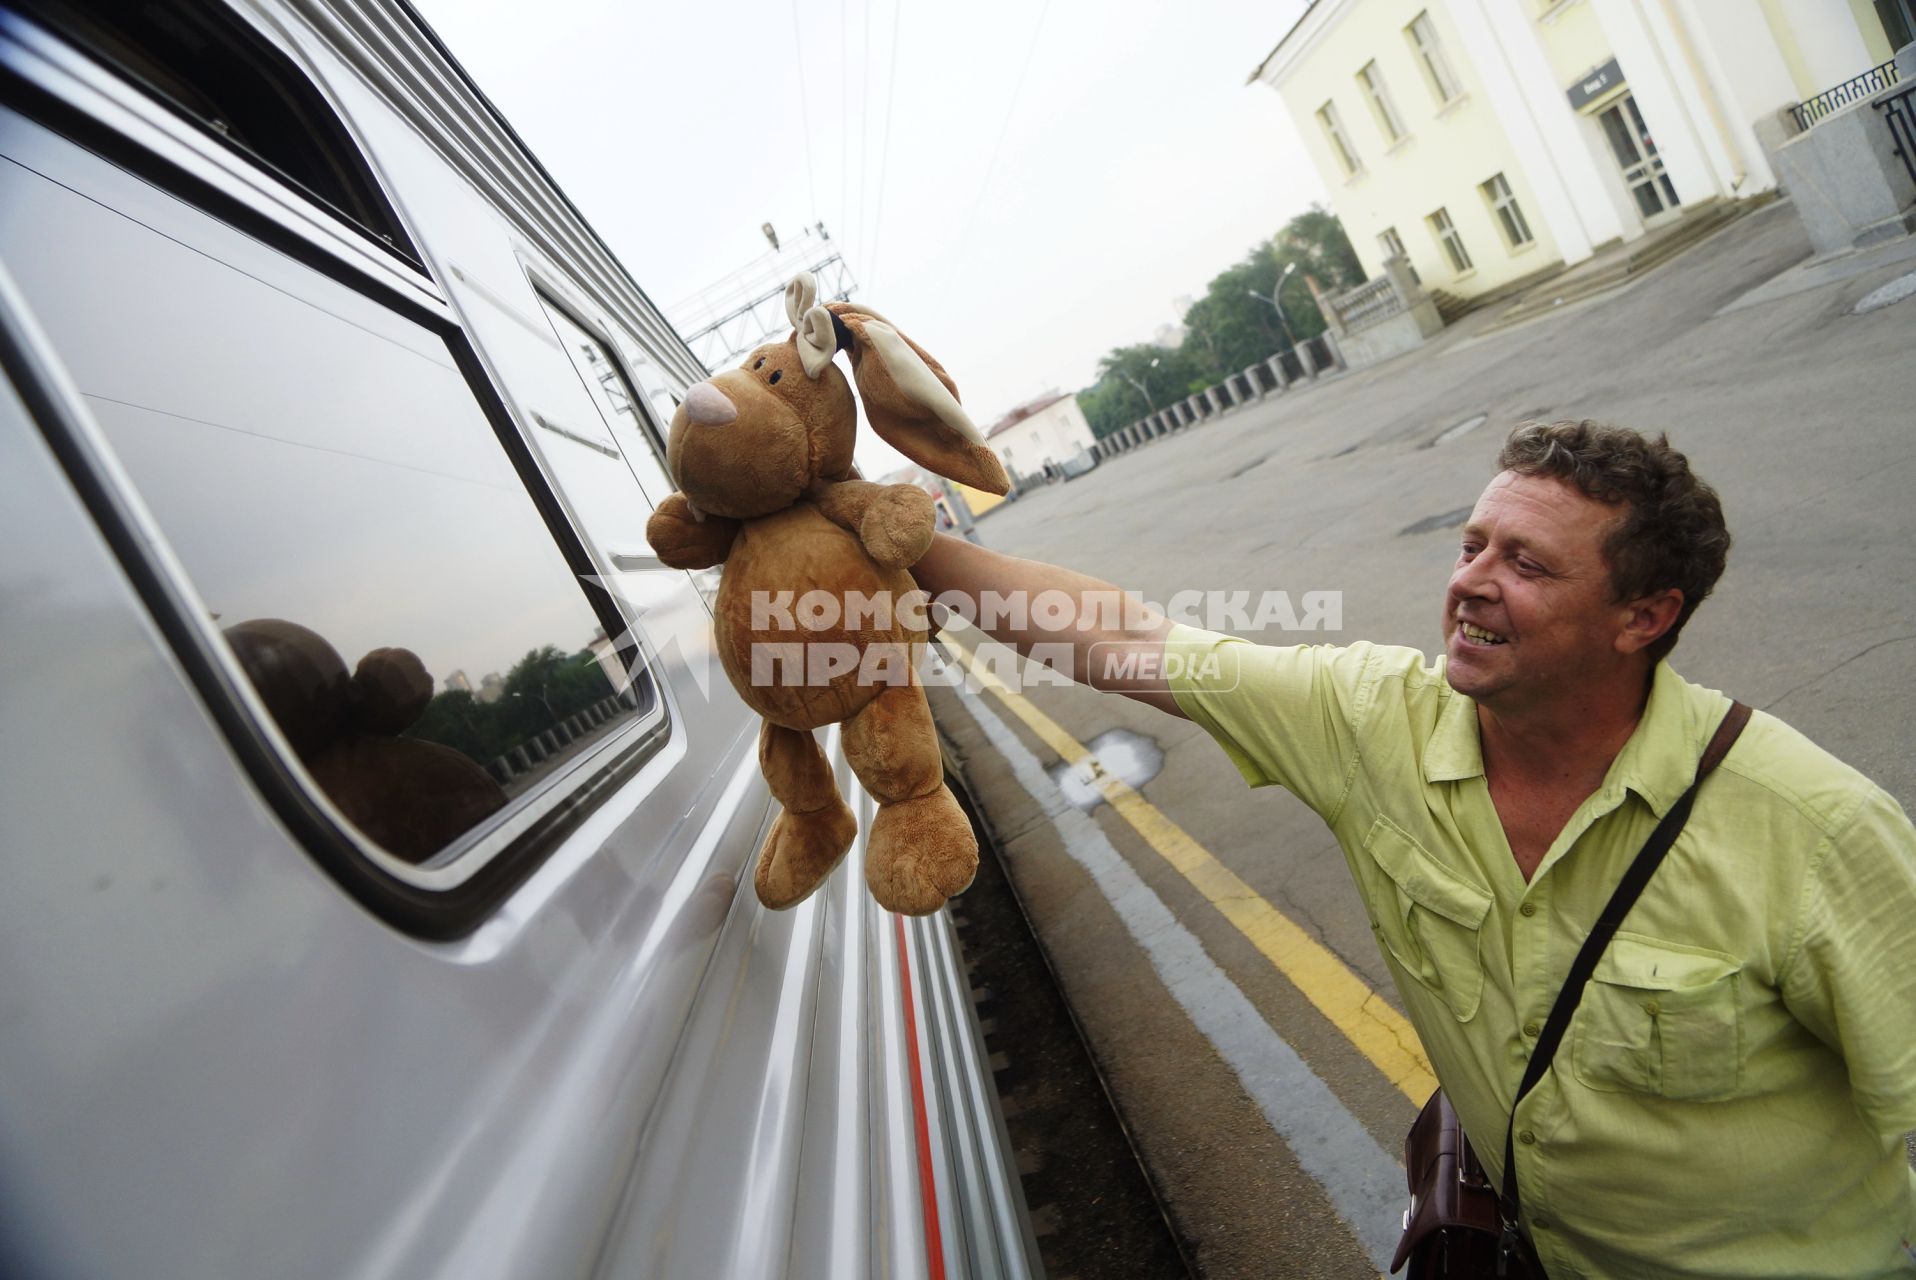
{"x":816,"y":829}
{"x":922,"y":850}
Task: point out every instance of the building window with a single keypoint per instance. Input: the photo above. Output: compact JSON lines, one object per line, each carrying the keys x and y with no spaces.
{"x":1443,"y":82}
{"x":1393,"y":246}
{"x":1448,"y":240}
{"x":1334,"y":133}
{"x":1388,"y":120}
{"x":1503,"y":202}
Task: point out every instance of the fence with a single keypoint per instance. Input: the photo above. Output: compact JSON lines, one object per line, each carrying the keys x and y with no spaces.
{"x":1310,"y":360}
{"x":1899,"y":113}
{"x":1855,"y":89}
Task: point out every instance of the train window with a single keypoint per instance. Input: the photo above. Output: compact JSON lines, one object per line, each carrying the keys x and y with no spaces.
{"x":208,"y":65}
{"x":618,"y":403}
{"x":344,"y":508}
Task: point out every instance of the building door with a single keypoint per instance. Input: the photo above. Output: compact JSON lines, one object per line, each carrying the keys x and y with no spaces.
{"x":1637,"y":156}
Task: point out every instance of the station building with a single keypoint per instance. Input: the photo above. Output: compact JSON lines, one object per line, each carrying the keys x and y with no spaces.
{"x":1042,"y":437}
{"x":1490,"y":140}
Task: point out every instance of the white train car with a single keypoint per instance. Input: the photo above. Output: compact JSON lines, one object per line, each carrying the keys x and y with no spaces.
{"x":374,"y":900}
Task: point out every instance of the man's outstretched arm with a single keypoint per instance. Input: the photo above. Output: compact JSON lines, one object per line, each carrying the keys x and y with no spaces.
{"x":1112,"y":626}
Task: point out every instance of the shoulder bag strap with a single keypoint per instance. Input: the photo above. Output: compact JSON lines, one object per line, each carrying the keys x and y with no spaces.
{"x":1607,"y":924}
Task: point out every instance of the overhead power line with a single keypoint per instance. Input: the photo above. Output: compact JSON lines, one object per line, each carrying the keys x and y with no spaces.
{"x":804,"y":112}
{"x":884,"y":154}
{"x":1011,"y":110}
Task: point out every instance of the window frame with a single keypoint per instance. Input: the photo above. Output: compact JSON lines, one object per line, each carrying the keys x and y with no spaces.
{"x":1506,"y":212}
{"x":1432,"y":59}
{"x":452,"y":894}
{"x":1450,"y":241}
{"x":1394,"y":247}
{"x":553,"y":291}
{"x":1332,"y":123}
{"x":1370,"y":78}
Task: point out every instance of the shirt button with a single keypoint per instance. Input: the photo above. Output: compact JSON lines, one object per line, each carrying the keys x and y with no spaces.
{"x":1652,"y":1008}
{"x":1528,"y":1138}
{"x":1528,"y":908}
{"x":1530,"y":1028}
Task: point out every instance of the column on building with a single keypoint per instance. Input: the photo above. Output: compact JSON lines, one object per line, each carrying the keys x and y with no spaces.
{"x":1659,"y":77}
{"x":1499,"y":36}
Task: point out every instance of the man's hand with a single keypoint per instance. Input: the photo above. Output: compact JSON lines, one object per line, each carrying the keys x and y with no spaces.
{"x":1112,"y":626}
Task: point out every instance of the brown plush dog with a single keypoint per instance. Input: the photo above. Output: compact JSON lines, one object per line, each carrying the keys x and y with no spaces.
{"x":763,"y":459}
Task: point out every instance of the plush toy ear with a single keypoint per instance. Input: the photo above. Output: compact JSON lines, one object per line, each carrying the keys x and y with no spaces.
{"x":816,"y":336}
{"x":913,"y":404}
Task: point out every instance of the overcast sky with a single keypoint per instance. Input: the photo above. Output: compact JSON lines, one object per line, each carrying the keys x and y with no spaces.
{"x":1020,"y":187}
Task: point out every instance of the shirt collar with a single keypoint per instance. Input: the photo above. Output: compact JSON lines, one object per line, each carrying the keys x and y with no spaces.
{"x":1658,"y":762}
{"x":1454,"y":751}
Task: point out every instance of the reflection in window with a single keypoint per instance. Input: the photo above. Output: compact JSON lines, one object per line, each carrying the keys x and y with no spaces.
{"x":337,"y":496}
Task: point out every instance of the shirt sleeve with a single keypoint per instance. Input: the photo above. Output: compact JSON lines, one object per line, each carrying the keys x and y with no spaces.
{"x":1285,"y":715}
{"x":1852,"y":979}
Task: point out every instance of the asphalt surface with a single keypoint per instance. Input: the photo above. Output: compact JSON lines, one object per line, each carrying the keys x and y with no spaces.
{"x":1801,"y":414}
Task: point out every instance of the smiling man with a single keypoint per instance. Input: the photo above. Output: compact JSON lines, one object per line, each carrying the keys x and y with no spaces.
{"x":1733,"y":1091}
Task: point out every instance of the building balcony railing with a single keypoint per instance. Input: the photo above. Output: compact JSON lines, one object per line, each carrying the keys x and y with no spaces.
{"x":1856,"y":89}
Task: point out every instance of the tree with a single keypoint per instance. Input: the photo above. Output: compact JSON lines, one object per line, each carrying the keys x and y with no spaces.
{"x":1315,"y":240}
{"x":1228,"y":329}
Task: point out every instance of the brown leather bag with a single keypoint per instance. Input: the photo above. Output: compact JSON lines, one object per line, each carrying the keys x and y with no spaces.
{"x":1458,"y":1225}
{"x":1452,"y":1227}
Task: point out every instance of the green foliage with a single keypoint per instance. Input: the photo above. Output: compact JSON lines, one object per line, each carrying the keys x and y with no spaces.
{"x":543,"y":688}
{"x":1228,"y":330}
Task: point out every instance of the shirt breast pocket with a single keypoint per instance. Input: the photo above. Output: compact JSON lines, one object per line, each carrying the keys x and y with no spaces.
{"x":1663,"y":1019}
{"x":1429,"y":917}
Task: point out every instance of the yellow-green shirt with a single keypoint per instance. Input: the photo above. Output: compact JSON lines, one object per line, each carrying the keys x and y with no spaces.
{"x":1731,"y":1095}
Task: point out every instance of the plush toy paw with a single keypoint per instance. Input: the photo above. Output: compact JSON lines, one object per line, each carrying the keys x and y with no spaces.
{"x":897,"y":526}
{"x":686,"y":538}
{"x":922,"y":852}
{"x":800,"y":852}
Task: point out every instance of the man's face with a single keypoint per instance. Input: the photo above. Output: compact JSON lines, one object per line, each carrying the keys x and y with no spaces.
{"x":1530,"y":613}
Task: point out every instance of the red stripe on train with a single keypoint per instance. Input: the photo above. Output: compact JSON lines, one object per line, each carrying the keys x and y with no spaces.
{"x":927,"y":1183}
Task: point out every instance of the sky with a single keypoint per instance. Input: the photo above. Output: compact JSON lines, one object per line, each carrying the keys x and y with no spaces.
{"x":1019,"y":187}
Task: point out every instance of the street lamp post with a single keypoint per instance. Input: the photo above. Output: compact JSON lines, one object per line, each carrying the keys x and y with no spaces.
{"x":1276,"y":303}
{"x":1150,"y":406}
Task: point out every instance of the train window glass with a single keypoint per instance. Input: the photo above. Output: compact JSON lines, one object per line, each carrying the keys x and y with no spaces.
{"x":339,"y":499}
{"x":210,"y":66}
{"x":624,"y":414}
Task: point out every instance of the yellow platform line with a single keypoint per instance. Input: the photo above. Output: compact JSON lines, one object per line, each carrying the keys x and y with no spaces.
{"x":1366,"y":1019}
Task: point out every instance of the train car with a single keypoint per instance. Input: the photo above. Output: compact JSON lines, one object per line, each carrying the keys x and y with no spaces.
{"x":375,"y":898}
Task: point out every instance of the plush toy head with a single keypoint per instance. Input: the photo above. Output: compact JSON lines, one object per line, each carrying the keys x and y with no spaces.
{"x":409,"y":796}
{"x":749,"y":441}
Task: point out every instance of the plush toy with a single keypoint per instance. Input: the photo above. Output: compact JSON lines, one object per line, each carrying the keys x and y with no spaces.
{"x":763,"y":459}
{"x":410,"y":797}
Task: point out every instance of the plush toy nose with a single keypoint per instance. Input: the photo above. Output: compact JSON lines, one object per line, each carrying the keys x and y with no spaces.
{"x":706,"y":405}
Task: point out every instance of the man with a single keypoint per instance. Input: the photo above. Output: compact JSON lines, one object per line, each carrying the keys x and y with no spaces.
{"x":1731,"y":1097}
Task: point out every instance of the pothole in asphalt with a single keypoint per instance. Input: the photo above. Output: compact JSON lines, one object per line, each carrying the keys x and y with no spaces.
{"x":1887,"y":296}
{"x":1430,"y":524}
{"x":1131,"y":758}
{"x":1463,"y":428}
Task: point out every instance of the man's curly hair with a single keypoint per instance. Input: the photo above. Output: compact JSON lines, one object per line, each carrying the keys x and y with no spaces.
{"x":1672,"y":533}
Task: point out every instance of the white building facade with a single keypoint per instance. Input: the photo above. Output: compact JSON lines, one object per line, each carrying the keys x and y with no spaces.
{"x":1051,"y":430}
{"x":1489,"y":139}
